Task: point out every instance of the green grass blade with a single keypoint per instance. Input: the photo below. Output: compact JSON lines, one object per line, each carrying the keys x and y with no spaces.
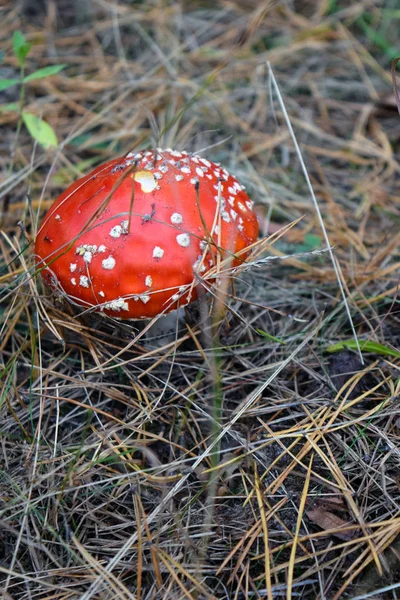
{"x":365,"y":346}
{"x":7,"y":83}
{"x":45,"y":72}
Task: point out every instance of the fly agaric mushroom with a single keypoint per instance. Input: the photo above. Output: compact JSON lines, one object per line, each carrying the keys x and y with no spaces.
{"x":132,"y":238}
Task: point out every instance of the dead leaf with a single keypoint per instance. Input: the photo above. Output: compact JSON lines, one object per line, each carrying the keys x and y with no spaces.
{"x":327,"y":520}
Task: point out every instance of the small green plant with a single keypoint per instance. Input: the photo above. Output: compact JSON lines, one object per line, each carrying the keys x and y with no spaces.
{"x":41,"y":131}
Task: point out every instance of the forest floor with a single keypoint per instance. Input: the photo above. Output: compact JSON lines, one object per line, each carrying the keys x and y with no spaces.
{"x":257,"y":454}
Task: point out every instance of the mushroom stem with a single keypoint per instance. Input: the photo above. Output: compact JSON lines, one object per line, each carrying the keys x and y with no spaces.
{"x":165,"y":328}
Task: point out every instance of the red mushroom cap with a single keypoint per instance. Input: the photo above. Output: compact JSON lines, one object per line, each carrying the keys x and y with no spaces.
{"x":129,"y":238}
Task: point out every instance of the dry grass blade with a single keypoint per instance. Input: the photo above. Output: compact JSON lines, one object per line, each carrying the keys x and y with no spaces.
{"x":302,"y":504}
{"x":264,"y":522}
{"x":395,"y":87}
{"x":316,"y":206}
{"x":115,"y":586}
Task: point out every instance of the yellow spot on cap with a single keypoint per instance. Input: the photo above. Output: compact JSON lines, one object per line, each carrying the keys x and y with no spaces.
{"x":147,"y":181}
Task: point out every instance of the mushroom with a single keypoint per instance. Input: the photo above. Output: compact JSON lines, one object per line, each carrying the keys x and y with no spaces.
{"x":133,"y":238}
